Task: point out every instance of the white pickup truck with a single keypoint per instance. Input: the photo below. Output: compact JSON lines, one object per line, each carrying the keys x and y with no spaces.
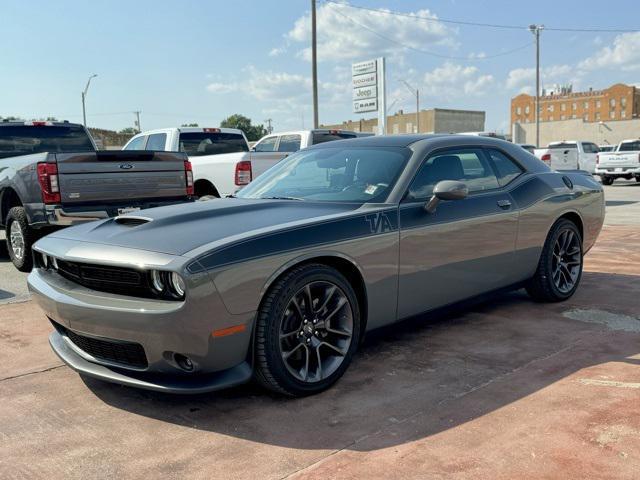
{"x":623,"y":162}
{"x":569,"y":155}
{"x":277,"y":146}
{"x":220,"y":157}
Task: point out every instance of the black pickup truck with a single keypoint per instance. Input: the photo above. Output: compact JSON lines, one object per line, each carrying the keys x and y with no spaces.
{"x":52,"y":175}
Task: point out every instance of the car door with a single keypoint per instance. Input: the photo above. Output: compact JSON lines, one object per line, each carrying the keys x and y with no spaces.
{"x":588,"y":157}
{"x":267,"y":150}
{"x":465,"y":247}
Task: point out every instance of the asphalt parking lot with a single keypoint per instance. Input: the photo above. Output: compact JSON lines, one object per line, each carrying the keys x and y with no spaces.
{"x":505,"y":389}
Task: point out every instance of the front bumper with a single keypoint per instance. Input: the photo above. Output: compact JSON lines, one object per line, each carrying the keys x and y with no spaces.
{"x":190,"y":384}
{"x":162,"y":328}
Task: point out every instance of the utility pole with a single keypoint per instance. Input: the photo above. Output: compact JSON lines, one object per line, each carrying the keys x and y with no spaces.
{"x":536,"y":29}
{"x":137,"y":113}
{"x":415,"y":92}
{"x":314,"y":64}
{"x":84,"y":96}
{"x":269,"y":127}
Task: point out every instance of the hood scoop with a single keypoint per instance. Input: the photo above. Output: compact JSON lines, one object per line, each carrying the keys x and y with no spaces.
{"x":131,"y":220}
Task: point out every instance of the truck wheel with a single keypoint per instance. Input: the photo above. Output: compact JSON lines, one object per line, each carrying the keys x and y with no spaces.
{"x":20,"y":237}
{"x":638,"y":178}
{"x":607,"y":180}
{"x":307,"y":331}
{"x":560,"y":266}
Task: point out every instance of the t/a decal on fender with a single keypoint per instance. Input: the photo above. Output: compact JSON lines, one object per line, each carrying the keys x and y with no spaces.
{"x":379,"y":222}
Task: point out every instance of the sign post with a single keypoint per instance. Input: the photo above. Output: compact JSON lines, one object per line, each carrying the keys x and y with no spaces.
{"x":369,"y":92}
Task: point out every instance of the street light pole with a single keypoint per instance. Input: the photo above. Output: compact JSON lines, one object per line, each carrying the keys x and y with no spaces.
{"x":314,"y":64}
{"x":84,"y":96}
{"x":415,"y":92}
{"x":536,"y":29}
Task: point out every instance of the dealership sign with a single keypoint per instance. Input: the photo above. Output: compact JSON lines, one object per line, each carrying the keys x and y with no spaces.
{"x":368,"y":92}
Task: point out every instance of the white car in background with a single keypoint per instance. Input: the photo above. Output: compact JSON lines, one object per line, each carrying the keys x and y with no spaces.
{"x":569,"y":155}
{"x":276,"y":146}
{"x":623,"y":162}
{"x":220,"y":157}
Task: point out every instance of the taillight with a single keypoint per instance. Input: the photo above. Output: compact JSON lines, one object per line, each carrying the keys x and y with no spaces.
{"x":546,"y":158}
{"x":243,"y":172}
{"x":48,"y":179}
{"x":188,"y":173}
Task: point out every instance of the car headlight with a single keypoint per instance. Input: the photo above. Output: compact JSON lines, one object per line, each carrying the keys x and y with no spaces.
{"x":157,"y":282}
{"x":176,"y":284}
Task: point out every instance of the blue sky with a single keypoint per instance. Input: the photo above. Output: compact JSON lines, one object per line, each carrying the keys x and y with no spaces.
{"x":197,"y":61}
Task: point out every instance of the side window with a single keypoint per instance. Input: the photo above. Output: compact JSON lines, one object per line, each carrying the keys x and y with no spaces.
{"x":466,"y":165}
{"x":289,"y":143}
{"x":590,"y":148}
{"x":267,"y":145}
{"x":506,"y":169}
{"x":156,"y":142}
{"x":136,"y":143}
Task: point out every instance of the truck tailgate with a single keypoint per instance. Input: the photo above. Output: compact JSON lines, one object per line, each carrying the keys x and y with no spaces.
{"x":120,"y":175}
{"x":621,"y":159}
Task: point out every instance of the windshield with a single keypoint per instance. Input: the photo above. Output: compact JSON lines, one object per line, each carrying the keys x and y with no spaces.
{"x":340,"y":174}
{"x":196,"y":144}
{"x":26,"y":139}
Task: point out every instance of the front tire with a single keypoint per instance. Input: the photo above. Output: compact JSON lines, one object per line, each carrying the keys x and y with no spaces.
{"x":20,"y":237}
{"x":560,"y":266}
{"x":307,"y":331}
{"x":607,"y":180}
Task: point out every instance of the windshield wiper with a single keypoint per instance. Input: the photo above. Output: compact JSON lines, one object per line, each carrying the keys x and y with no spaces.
{"x":283,"y":198}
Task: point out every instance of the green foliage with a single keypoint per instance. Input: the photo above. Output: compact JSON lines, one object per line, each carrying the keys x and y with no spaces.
{"x":189,"y":125}
{"x":128,"y":131}
{"x":253,"y":132}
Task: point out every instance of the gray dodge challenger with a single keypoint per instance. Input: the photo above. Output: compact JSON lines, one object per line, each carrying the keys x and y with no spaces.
{"x":281,"y":282}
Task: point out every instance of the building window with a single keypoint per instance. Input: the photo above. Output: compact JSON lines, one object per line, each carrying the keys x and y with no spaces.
{"x":396,"y":128}
{"x":597,"y":116}
{"x":409,"y":127}
{"x":518,"y":110}
{"x":585,"y":105}
{"x":612,"y":114}
{"x":623,"y":102}
{"x":573,"y":116}
{"x":551,"y":118}
{"x":585,"y":118}
{"x":550,"y":107}
{"x":623,"y":114}
{"x":526,"y":110}
{"x":612,"y":103}
{"x":574,"y":106}
{"x":598,"y":103}
{"x":563,"y":107}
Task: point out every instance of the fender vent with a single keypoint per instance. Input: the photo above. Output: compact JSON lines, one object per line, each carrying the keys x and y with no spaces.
{"x":131,"y":221}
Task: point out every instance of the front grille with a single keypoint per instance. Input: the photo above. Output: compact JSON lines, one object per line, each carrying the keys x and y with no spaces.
{"x":125,"y":353}
{"x":119,"y":280}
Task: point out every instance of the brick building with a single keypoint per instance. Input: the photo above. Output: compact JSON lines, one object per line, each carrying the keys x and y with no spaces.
{"x":618,"y":102}
{"x":436,"y":120}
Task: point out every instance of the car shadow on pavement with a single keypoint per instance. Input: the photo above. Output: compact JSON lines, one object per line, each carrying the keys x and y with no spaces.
{"x":414,"y":380}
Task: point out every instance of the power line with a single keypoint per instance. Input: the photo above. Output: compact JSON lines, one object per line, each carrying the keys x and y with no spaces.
{"x":478,"y":24}
{"x":428,"y":52}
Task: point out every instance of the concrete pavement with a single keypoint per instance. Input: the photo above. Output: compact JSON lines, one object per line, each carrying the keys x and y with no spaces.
{"x":504,"y":389}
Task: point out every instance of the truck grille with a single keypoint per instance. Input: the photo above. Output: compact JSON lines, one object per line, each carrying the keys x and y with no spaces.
{"x":128,"y":354}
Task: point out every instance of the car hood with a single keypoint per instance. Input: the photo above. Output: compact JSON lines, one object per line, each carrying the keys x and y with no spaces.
{"x":179,"y":229}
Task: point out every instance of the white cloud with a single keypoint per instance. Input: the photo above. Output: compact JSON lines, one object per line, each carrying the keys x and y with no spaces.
{"x":523,"y":79}
{"x":623,"y":54}
{"x":451,"y":81}
{"x":221,"y":87}
{"x":341,"y":38}
{"x":277,"y":51}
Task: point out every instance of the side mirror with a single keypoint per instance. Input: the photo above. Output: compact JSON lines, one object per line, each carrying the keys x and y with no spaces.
{"x":253,"y":149}
{"x":446,"y":190}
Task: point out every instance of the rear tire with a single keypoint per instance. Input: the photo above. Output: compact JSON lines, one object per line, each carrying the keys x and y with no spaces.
{"x":638,"y":178}
{"x":303,"y":347}
{"x":20,"y":237}
{"x":560,"y":267}
{"x":607,"y":180}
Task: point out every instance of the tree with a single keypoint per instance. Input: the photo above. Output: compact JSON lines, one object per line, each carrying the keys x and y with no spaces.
{"x":128,"y":131}
{"x":189,"y":125}
{"x":253,"y":132}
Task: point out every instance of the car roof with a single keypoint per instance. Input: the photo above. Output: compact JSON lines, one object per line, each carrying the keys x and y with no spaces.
{"x":404,"y":140}
{"x":37,"y":123}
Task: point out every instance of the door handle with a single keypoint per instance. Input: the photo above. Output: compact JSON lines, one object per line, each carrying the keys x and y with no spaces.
{"x":504,"y":204}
